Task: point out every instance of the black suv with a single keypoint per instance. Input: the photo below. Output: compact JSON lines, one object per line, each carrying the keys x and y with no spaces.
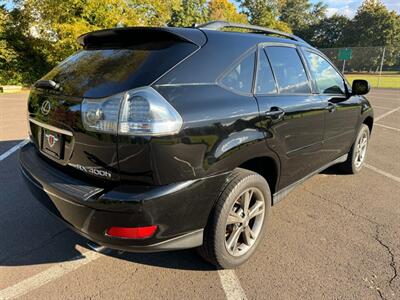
{"x":153,"y":139}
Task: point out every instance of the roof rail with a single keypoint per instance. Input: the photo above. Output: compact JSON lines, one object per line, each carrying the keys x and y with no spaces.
{"x":218,"y":25}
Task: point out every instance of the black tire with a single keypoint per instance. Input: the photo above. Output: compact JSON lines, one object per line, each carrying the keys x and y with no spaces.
{"x":350,"y":166}
{"x":214,"y":248}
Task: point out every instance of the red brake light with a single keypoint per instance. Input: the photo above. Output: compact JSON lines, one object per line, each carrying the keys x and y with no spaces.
{"x":132,"y":232}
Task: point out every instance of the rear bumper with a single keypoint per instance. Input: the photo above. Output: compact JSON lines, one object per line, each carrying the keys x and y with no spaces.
{"x":179,"y":210}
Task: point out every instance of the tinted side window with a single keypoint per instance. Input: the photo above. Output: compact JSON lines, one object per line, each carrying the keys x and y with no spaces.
{"x":328,"y":81}
{"x":240,"y":78}
{"x":289,"y":70}
{"x":265,"y":78}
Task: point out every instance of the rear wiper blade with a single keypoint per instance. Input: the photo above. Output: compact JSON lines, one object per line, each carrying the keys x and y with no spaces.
{"x":47,"y":84}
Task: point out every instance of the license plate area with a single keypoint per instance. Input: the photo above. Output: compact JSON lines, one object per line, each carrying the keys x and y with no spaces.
{"x":53,"y":143}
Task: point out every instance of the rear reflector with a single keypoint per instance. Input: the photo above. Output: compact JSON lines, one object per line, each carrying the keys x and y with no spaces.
{"x":132,"y":232}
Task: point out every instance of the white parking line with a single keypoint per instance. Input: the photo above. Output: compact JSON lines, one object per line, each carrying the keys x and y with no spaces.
{"x":381,"y":107}
{"x":384,"y":96}
{"x":379,"y":99}
{"x":12,"y":150}
{"x":386,"y":92}
{"x":25,"y":286}
{"x":231,"y":285}
{"x":387,"y":127}
{"x":386,"y":114}
{"x":388,"y":175}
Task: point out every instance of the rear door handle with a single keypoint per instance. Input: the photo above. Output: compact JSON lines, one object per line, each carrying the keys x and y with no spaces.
{"x":331,"y":107}
{"x":275,"y":112}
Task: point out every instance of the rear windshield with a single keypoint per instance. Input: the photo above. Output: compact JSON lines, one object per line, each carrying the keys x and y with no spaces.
{"x":99,"y":73}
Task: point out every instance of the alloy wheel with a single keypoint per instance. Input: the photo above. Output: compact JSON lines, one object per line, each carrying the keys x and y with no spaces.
{"x":244,"y":222}
{"x":361,"y":149}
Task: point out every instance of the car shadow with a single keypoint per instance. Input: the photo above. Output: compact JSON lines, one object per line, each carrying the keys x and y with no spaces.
{"x":334,"y":170}
{"x":29,"y":235}
{"x":183,"y":259}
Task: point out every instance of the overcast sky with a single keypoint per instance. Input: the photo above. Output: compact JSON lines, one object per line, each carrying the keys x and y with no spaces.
{"x":349,"y":7}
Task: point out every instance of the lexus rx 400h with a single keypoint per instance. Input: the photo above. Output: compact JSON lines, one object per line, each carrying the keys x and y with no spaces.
{"x":152,"y":139}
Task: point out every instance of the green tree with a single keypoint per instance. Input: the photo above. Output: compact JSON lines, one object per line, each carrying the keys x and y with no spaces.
{"x":38,"y":34}
{"x":7,"y":54}
{"x":375,"y":25}
{"x":300,"y":14}
{"x":70,"y":18}
{"x":328,"y":33}
{"x":265,"y":13}
{"x":225,"y":10}
{"x":318,"y":11}
{"x":21,"y":55}
{"x":189,"y":12}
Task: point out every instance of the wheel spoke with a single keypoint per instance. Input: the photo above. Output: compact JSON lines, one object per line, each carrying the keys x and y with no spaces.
{"x":364,"y":146}
{"x":363,"y":143}
{"x":256,"y":209}
{"x":246,"y":200}
{"x":233,"y":218}
{"x":248,"y":235}
{"x":233,"y":238}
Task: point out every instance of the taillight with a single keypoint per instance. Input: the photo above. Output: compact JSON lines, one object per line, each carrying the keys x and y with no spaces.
{"x":101,"y":115}
{"x":132,"y":232}
{"x":141,"y":111}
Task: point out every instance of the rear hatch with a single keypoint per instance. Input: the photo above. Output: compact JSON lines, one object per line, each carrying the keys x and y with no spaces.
{"x":111,"y":62}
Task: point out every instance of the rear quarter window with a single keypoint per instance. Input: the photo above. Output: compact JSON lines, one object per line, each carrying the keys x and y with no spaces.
{"x":240,"y":77}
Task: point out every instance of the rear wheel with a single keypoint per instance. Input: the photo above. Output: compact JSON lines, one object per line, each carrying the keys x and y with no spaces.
{"x":238,"y":221}
{"x":358,"y":152}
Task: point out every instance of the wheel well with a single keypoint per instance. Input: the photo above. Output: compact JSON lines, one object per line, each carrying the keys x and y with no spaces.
{"x":369,"y":122}
{"x":266,"y":167}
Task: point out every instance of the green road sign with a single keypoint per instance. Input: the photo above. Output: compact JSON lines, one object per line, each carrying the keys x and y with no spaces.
{"x":345,"y":54}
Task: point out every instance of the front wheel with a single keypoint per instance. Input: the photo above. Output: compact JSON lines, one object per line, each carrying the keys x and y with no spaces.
{"x":358,"y":152}
{"x":238,"y":221}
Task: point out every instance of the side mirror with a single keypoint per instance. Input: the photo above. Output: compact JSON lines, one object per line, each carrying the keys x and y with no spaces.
{"x":360,"y":87}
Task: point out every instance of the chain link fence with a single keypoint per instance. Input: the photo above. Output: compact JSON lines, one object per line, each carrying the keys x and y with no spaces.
{"x":379,"y":65}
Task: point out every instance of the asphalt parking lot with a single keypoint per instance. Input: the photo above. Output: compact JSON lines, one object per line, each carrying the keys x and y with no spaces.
{"x":334,"y":237}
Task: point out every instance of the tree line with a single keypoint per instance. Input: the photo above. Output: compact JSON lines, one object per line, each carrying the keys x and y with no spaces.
{"x":35,"y":35}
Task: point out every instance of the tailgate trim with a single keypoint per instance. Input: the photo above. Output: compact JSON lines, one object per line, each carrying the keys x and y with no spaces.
{"x":50,"y":127}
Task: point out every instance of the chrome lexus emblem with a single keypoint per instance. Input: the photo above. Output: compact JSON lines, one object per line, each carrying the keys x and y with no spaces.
{"x":46,"y":106}
{"x":51,"y":139}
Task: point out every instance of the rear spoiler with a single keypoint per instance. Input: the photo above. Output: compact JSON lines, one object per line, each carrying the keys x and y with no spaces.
{"x":131,"y":36}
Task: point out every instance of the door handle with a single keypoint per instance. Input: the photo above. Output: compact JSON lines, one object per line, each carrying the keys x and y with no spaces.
{"x":331,"y":107}
{"x":275,"y":113}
